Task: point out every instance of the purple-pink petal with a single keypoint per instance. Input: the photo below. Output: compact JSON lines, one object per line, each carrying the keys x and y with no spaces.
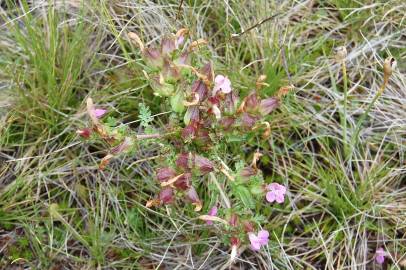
{"x":263,"y":237}
{"x":380,"y":255}
{"x":212,"y":212}
{"x":255,"y":244}
{"x":222,"y":83}
{"x":276,"y":192}
{"x":270,"y":196}
{"x":99,"y":112}
{"x":280,"y":198}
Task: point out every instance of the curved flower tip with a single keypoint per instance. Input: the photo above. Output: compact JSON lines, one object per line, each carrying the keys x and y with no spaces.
{"x":380,"y":255}
{"x":258,"y":240}
{"x":221,"y":83}
{"x":212,"y":212}
{"x":276,"y":193}
{"x":84,"y":133}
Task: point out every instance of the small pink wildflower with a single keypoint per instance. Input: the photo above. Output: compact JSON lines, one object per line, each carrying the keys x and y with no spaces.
{"x":276,"y":193}
{"x":258,"y":240}
{"x":212,"y":212}
{"x":221,"y":83}
{"x":98,"y":112}
{"x":380,"y":255}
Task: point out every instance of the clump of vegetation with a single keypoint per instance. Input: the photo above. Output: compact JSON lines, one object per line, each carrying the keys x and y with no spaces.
{"x":209,"y":118}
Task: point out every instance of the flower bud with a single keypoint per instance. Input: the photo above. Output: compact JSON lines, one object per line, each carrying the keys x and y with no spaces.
{"x":248,"y":120}
{"x":233,"y":220}
{"x":180,"y":36}
{"x":183,"y":161}
{"x":84,"y":133}
{"x":203,"y":164}
{"x":166,"y":195}
{"x":207,"y":71}
{"x":248,"y":227}
{"x":201,"y":89}
{"x":152,"y":57}
{"x":184,"y":182}
{"x":164,"y":174}
{"x":191,"y":115}
{"x":168,"y":45}
{"x":192,"y":194}
{"x":203,"y":137}
{"x":190,"y":131}
{"x":268,"y":105}
{"x":235,"y":241}
{"x":183,"y":59}
{"x":230,"y":103}
{"x":194,"y":198}
{"x":226,"y":122}
{"x":251,"y":102}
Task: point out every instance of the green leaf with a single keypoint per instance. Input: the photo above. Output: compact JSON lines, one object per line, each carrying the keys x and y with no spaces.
{"x":245,"y":196}
{"x":145,"y":115}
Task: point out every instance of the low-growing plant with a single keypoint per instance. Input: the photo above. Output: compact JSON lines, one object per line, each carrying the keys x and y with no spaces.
{"x":201,"y":139}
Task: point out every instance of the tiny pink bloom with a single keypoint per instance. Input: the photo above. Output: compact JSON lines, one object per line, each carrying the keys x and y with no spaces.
{"x":276,"y":193}
{"x":212,"y":212}
{"x":221,"y":83}
{"x":99,"y":112}
{"x":380,"y":255}
{"x":258,"y":240}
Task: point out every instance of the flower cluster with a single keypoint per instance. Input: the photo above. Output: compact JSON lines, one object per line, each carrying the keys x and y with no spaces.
{"x":209,"y":112}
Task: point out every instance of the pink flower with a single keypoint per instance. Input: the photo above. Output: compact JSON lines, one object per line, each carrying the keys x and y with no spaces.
{"x":380,"y":255}
{"x":221,"y":83}
{"x":258,"y":240}
{"x":213,"y":213}
{"x":98,"y":112}
{"x":276,"y":193}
